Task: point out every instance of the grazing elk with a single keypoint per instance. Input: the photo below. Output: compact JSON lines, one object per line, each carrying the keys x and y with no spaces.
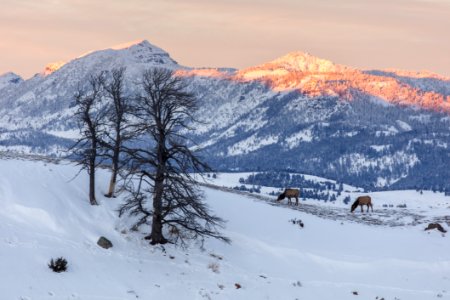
{"x":289,"y":193}
{"x":362,"y":200}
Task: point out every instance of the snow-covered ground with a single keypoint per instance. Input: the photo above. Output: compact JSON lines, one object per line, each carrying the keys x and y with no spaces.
{"x":45,"y":214}
{"x":424,"y":202}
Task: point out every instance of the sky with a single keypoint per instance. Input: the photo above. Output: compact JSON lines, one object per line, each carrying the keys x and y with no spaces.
{"x":375,"y":34}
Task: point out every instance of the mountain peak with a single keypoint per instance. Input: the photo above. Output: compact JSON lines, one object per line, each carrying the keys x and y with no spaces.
{"x":292,"y":62}
{"x":136,"y":43}
{"x":143,"y":51}
{"x":305,"y":62}
{"x":130,"y":53}
{"x":296,"y":55}
{"x":52,"y":67}
{"x":9,"y":78}
{"x":8,"y":75}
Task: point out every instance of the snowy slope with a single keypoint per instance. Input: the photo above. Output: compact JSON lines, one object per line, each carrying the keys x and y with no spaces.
{"x":46,"y":214}
{"x":45,"y":101}
{"x":9,"y":79}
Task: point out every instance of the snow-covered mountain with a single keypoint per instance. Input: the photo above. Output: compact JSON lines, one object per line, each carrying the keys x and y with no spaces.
{"x":373,"y":128}
{"x":44,"y":101}
{"x":9,"y":79}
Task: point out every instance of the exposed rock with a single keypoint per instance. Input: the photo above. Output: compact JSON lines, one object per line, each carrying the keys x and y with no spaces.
{"x":436,"y":226}
{"x":104,"y":243}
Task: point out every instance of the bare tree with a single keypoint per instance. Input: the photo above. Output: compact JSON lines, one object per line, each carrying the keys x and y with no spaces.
{"x":90,"y":117}
{"x":162,"y":171}
{"x":118,"y":130}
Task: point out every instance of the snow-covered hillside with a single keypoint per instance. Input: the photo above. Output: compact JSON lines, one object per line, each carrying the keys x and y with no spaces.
{"x":432,"y":203}
{"x":45,"y":214}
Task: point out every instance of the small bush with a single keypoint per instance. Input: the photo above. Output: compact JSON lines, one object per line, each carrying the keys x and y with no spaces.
{"x":297,"y":222}
{"x":59,"y":265}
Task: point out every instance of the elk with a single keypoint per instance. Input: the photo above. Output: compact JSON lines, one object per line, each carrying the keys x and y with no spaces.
{"x":290,"y":193}
{"x":362,"y":200}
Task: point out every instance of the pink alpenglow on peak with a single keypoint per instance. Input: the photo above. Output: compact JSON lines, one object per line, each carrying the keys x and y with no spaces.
{"x":131,"y":44}
{"x":298,"y":61}
{"x":305,"y":62}
{"x":52,"y":67}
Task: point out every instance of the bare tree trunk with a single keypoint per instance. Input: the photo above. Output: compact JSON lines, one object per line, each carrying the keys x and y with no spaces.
{"x":115,"y":167}
{"x":92,"y":158}
{"x":92,"y":199}
{"x":157,"y":234}
{"x":118,"y":110}
{"x":90,"y":120}
{"x":112,"y":183}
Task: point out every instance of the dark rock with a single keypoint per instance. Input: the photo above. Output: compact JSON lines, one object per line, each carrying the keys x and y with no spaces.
{"x":104,"y":243}
{"x":436,"y":226}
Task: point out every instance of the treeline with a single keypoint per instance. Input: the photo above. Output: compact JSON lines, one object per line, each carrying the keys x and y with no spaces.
{"x":360,"y":143}
{"x":310,"y":189}
{"x":285,"y":179}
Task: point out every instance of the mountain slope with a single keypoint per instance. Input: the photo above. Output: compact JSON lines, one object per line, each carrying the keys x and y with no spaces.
{"x":317,"y":77}
{"x":377,"y":129}
{"x":51,"y":94}
{"x":9,"y":79}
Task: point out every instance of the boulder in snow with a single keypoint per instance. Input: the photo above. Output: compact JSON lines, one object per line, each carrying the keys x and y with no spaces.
{"x":104,"y":243}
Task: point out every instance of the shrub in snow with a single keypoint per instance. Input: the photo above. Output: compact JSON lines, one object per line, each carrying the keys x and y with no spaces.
{"x":297,"y":222}
{"x":59,"y":265}
{"x":245,"y":189}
